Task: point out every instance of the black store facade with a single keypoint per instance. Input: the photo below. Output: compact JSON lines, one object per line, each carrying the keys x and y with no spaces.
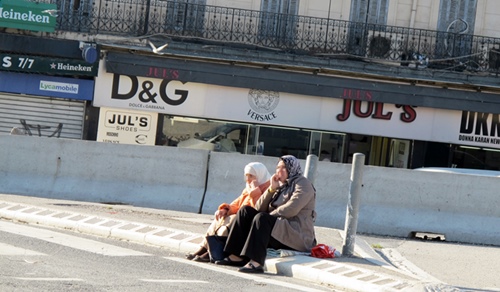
{"x":227,"y":107}
{"x":46,"y":86}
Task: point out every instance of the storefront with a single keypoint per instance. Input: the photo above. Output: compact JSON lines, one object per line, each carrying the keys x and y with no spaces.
{"x":41,"y":95}
{"x":44,"y":106}
{"x":212,"y":115}
{"x":46,"y":84}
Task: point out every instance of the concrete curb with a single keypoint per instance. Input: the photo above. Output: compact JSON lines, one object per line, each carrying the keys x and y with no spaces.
{"x":176,"y":240}
{"x":300,"y":267}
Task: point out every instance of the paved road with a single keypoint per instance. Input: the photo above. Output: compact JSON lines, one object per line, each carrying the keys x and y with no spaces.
{"x":36,"y":258}
{"x":379,"y":264}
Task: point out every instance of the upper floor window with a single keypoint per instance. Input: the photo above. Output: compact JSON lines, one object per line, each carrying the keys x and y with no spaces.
{"x":280,"y":6}
{"x":277,"y":22}
{"x":186,"y":15}
{"x":457,"y":16}
{"x":369,"y":11}
{"x":456,"y":23}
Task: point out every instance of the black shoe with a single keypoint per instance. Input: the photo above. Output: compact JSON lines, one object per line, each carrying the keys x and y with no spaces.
{"x":252,"y":269}
{"x":200,"y":251}
{"x":228,"y":262}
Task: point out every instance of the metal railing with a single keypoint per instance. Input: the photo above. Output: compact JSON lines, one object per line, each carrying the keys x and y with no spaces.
{"x":291,"y":33}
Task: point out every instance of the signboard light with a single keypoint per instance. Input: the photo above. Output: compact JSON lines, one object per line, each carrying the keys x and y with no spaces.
{"x":89,"y":52}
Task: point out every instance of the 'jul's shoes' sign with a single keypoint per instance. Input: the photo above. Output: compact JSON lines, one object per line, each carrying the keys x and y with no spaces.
{"x":28,"y":15}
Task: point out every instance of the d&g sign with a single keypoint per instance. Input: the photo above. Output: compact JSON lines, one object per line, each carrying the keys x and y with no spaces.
{"x":149,"y":92}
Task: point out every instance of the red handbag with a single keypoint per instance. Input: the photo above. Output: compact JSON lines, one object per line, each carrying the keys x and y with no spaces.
{"x":323,"y":251}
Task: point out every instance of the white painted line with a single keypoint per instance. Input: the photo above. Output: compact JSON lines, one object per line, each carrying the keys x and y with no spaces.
{"x":68,"y":240}
{"x":49,"y":279}
{"x":6,"y":249}
{"x":173,"y":281}
{"x":261,"y":279}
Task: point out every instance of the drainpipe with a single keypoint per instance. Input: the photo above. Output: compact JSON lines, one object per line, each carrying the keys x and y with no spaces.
{"x":413,"y":13}
{"x":146,"y":17}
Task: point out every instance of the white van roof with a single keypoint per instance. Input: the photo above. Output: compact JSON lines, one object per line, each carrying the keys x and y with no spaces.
{"x":482,"y":172}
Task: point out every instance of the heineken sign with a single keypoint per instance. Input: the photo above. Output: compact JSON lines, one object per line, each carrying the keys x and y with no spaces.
{"x":36,"y":64}
{"x":28,"y":15}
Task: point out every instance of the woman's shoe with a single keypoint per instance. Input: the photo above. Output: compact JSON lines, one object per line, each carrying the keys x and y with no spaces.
{"x":200,"y":251}
{"x":251,"y":269}
{"x":228,"y":262}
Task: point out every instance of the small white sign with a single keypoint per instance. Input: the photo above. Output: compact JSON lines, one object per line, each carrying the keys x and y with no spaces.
{"x":127,"y":127}
{"x":59,"y":87}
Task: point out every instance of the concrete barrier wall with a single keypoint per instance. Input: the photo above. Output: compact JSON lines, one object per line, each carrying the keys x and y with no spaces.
{"x":462,"y":207}
{"x":160,"y":177}
{"x":397,"y":202}
{"x":393,"y":201}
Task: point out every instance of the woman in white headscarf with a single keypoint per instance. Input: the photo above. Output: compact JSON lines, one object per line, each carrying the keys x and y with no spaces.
{"x":257,"y":181}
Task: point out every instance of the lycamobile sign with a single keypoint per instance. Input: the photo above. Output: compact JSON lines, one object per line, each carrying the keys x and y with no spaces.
{"x":27,"y":15}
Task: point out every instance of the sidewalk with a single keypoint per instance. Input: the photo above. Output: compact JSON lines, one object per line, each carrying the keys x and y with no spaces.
{"x":181,"y":232}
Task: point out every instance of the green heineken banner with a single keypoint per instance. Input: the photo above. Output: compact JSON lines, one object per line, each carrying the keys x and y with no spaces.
{"x":36,"y":64}
{"x":28,"y":15}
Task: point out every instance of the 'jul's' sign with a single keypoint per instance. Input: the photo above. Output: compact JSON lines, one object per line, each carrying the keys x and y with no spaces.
{"x":374,"y":110}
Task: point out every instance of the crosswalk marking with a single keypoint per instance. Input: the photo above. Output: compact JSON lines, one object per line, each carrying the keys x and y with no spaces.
{"x":173,"y":281}
{"x":49,"y":279}
{"x":6,"y":249}
{"x":68,"y":240}
{"x":257,"y":278}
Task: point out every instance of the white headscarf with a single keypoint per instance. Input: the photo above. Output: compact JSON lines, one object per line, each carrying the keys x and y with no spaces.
{"x":259,"y":170}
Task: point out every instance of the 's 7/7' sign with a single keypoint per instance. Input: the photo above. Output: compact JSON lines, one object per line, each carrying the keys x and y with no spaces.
{"x":22,"y":63}
{"x":37,"y":64}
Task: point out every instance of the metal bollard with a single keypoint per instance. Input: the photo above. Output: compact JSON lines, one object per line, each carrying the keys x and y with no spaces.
{"x":311,"y":166}
{"x":351,"y":219}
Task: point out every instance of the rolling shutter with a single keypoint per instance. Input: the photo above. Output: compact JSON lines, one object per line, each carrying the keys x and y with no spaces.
{"x":42,"y":116}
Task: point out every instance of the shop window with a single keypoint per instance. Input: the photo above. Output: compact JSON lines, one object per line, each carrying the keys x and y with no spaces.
{"x":250,"y":139}
{"x":204,"y":134}
{"x":359,"y":144}
{"x":277,"y":142}
{"x":328,"y":146}
{"x":475,"y":158}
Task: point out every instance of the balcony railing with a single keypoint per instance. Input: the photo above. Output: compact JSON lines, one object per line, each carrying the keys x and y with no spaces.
{"x":290,"y":33}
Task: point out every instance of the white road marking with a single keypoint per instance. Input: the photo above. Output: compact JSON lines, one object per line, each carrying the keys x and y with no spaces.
{"x":49,"y":279}
{"x":235,"y":273}
{"x":6,"y":249}
{"x":173,"y":281}
{"x":68,"y":240}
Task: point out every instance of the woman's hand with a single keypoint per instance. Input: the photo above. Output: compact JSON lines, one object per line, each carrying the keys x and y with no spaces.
{"x":253,"y":184}
{"x":275,"y":179}
{"x":222,"y":213}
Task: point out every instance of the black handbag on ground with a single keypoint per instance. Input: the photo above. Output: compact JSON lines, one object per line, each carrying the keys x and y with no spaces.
{"x":216,"y":245}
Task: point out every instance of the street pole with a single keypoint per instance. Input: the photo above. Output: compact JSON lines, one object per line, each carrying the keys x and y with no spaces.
{"x":351,"y":219}
{"x":311,"y":165}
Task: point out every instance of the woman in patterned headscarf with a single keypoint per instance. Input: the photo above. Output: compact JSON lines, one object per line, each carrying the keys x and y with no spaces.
{"x":257,"y":181}
{"x":283,"y":218}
